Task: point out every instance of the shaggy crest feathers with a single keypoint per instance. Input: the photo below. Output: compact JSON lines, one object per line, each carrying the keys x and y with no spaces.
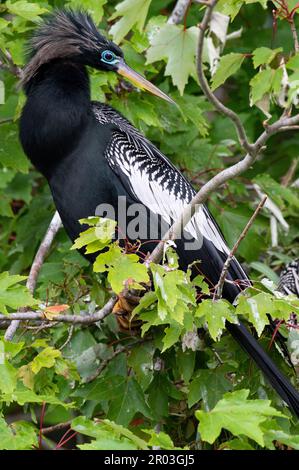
{"x":64,"y":34}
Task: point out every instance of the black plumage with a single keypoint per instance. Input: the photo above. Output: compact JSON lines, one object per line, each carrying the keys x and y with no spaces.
{"x":90,"y":154}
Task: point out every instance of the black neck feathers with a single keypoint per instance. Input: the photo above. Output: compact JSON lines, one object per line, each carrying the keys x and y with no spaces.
{"x":56,"y":113}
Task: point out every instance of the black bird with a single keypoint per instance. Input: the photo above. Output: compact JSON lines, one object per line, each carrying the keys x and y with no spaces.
{"x":90,"y":154}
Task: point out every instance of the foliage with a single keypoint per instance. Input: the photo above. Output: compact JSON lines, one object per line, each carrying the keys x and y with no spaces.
{"x":181,"y":370}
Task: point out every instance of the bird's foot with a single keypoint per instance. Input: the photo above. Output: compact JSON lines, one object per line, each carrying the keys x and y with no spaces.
{"x":123,"y":310}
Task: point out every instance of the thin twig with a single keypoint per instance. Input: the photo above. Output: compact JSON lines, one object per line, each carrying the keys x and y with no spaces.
{"x":56,"y":427}
{"x":219,"y":287}
{"x":69,"y":337}
{"x":39,"y":259}
{"x":288,"y":128}
{"x":287,"y":178}
{"x":105,"y":363}
{"x":8,"y":64}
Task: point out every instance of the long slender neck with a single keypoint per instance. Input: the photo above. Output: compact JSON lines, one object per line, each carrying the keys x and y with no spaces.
{"x":56,"y":113}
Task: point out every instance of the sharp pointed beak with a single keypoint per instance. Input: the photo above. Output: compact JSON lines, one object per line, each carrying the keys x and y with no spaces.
{"x":140,"y":82}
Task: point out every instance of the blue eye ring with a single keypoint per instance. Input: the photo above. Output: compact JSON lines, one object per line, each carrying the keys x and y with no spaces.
{"x":109,"y":57}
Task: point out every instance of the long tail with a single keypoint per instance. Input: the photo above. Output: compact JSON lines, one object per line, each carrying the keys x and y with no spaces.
{"x":211,"y":266}
{"x":278,"y":381}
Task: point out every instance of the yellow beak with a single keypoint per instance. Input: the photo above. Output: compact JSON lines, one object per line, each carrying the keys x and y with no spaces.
{"x":139,"y":81}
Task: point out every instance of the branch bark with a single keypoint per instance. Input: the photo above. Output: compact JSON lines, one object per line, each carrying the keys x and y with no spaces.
{"x":73,"y":319}
{"x":294,"y":34}
{"x":179,"y":11}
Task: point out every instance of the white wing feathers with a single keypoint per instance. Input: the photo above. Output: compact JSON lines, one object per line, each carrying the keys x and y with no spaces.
{"x":152,"y":179}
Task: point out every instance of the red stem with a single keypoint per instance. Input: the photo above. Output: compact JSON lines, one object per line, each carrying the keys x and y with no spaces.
{"x":60,"y":444}
{"x":275,"y":333}
{"x":41,"y":425}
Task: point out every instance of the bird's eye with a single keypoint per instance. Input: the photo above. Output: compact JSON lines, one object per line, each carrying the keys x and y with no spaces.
{"x":109,"y":57}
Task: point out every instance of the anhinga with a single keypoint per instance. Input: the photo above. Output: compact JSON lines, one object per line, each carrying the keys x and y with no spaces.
{"x":90,"y":154}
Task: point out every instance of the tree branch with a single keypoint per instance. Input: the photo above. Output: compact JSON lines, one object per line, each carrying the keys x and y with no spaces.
{"x":43,"y":250}
{"x":39,"y":259}
{"x":73,"y":319}
{"x":294,"y":34}
{"x":179,"y":11}
{"x":56,"y":427}
{"x":219,"y":287}
{"x":205,"y":86}
{"x":8,"y":64}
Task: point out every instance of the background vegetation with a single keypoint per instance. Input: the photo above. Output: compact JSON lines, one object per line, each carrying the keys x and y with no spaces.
{"x":94,"y":386}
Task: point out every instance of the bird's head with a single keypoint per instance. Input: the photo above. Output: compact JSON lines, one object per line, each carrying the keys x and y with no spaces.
{"x":72,"y":35}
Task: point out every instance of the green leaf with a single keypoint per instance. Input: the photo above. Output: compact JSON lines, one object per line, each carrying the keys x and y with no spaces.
{"x":3,"y":24}
{"x":132,"y":12}
{"x":256,"y":307}
{"x":173,"y":292}
{"x":141,"y":361}
{"x":17,"y":436}
{"x":131,"y":401}
{"x":177,"y":47}
{"x":232,"y":7}
{"x":11,"y":349}
{"x":29,"y":11}
{"x":94,"y":7}
{"x":158,"y":395}
{"x":103,"y":388}
{"x":12,"y":294}
{"x":186,"y":363}
{"x":264,"y":82}
{"x":172,"y":335}
{"x":23,"y":397}
{"x":208,"y":385}
{"x":215,"y":313}
{"x":265,"y":270}
{"x":11,"y":155}
{"x":264,"y":55}
{"x":45,"y":358}
{"x":277,"y":192}
{"x":238,"y":414}
{"x":228,"y":65}
{"x":2,"y":92}
{"x":121,"y":267}
{"x":293,"y":63}
{"x":161,"y":439}
{"x":5,"y":207}
{"x":8,"y":376}
{"x":193,"y":109}
{"x":108,"y":435}
{"x":5,"y":177}
{"x":236,"y":444}
{"x":97,"y":237}
{"x":274,"y":433}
